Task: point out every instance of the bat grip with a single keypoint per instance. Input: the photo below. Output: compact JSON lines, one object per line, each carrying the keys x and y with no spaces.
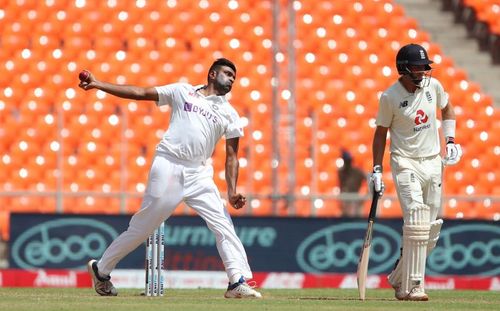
{"x":373,"y":207}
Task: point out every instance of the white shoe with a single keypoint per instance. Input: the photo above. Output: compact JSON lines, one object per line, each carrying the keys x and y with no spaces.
{"x":416,"y":294}
{"x":241,"y":290}
{"x":102,"y":286}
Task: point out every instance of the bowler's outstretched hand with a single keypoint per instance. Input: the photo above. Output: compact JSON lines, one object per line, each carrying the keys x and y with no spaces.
{"x":89,"y":82}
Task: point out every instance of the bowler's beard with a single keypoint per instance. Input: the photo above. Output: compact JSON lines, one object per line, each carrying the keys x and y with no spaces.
{"x":222,"y":86}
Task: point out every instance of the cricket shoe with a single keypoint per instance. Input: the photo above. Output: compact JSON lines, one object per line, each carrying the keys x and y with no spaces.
{"x":394,"y":284}
{"x":416,"y":294}
{"x":102,"y":285}
{"x":394,"y":278}
{"x":241,"y":289}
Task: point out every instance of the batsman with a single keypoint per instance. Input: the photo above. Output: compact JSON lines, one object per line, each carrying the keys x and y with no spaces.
{"x":408,"y":110}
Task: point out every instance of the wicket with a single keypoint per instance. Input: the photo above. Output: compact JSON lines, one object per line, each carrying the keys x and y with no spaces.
{"x":155,"y":255}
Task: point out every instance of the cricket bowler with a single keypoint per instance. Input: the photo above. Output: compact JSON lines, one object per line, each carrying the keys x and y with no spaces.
{"x":200,"y":116}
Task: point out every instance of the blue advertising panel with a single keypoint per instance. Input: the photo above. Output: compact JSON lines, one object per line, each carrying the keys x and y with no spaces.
{"x":312,"y":245}
{"x":60,"y":241}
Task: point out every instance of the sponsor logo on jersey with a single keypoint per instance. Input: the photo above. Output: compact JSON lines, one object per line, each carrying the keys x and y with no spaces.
{"x":429,"y":96}
{"x":189,"y":107}
{"x":421,"y":120}
{"x":423,"y":127}
{"x":421,"y":117}
{"x":403,"y":104}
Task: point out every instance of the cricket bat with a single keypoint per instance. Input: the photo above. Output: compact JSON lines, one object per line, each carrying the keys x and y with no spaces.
{"x":364,"y":255}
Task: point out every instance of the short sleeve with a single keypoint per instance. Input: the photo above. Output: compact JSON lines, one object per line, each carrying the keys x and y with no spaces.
{"x":385,"y":113}
{"x":166,"y":94}
{"x":441,"y":95}
{"x":235,"y":126}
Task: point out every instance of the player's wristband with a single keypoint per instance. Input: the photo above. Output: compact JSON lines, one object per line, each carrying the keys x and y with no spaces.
{"x":449,"y":129}
{"x":450,"y":140}
{"x":377,"y":169}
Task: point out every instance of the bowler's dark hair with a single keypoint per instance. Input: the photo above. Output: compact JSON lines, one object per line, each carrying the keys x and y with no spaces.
{"x":222,"y":62}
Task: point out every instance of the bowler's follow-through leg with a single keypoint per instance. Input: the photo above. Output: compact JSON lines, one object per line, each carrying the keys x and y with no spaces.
{"x":101,"y":284}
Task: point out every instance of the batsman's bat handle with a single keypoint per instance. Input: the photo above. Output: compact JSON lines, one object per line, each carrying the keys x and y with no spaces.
{"x":373,"y":207}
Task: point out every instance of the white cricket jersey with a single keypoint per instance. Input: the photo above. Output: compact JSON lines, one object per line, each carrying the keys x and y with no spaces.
{"x":411,"y":118}
{"x":197,"y":122}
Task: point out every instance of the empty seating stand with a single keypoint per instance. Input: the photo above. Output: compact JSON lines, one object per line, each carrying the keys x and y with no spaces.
{"x":345,"y":54}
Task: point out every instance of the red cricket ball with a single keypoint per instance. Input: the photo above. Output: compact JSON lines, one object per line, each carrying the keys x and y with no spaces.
{"x":84,"y":75}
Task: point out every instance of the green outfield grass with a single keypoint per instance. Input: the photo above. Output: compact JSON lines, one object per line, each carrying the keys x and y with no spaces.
{"x":38,"y":299}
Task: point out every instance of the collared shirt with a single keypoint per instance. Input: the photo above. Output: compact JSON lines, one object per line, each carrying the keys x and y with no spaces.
{"x":197,"y":122}
{"x":411,"y":118}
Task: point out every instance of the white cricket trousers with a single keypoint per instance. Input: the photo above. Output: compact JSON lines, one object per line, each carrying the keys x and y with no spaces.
{"x":169,"y":183}
{"x":418,"y":181}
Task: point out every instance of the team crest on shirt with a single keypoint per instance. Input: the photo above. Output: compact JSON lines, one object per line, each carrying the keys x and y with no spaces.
{"x":429,"y":96}
{"x":194,"y":94}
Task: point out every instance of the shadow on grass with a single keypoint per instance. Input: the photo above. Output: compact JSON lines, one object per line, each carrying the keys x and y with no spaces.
{"x":344,"y":299}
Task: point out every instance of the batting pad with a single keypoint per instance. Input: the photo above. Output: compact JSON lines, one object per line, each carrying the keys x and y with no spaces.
{"x":415,"y":240}
{"x":434,"y":234}
{"x":395,"y":276}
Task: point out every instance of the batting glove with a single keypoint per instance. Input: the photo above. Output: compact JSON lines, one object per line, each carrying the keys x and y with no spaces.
{"x":453,"y":153}
{"x":376,"y":182}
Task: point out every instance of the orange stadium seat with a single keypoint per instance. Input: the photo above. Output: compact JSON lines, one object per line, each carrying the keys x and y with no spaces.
{"x":48,"y":205}
{"x":49,"y":180}
{"x":330,"y":208}
{"x":4,"y":224}
{"x":460,"y":210}
{"x":43,"y":41}
{"x":77,"y":42}
{"x":303,"y":208}
{"x":387,"y":209}
{"x":92,"y":205}
{"x":108,"y":43}
{"x":260,"y":207}
{"x":25,"y":204}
